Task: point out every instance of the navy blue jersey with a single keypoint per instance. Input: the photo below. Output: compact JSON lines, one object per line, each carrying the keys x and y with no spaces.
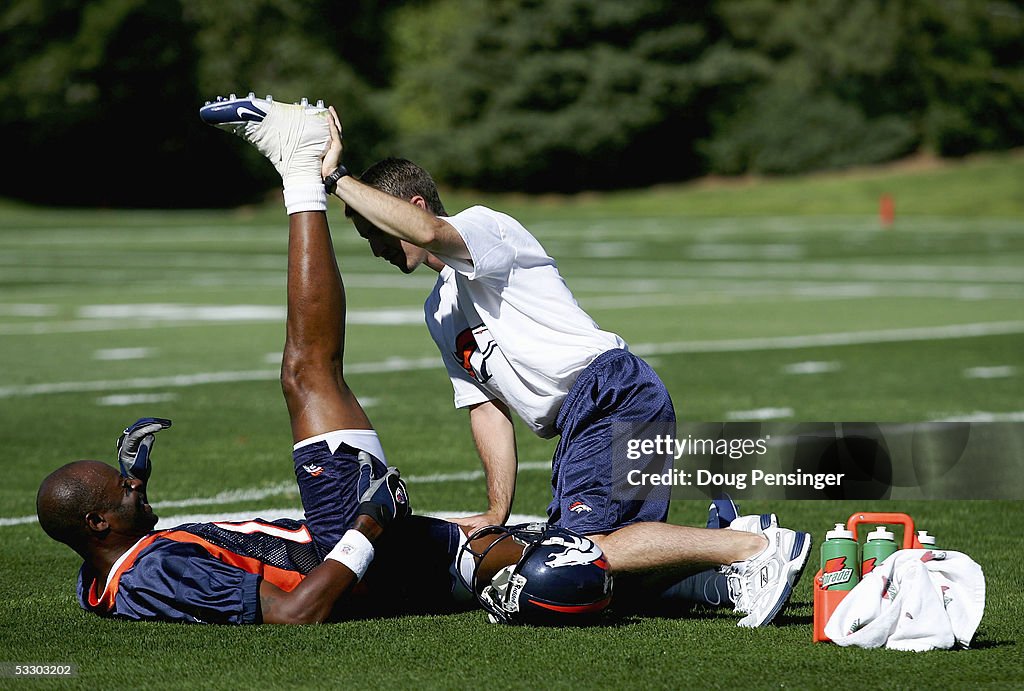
{"x":211,"y":572}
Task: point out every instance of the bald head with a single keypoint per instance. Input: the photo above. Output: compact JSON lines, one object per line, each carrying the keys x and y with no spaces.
{"x":68,"y":494}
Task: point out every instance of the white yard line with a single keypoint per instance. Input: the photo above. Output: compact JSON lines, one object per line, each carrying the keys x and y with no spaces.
{"x":697,"y":287}
{"x":984,"y":416}
{"x":651,"y":293}
{"x":926,"y":333}
{"x":98,"y":318}
{"x":822,"y":270}
{"x":760,"y":414}
{"x":997,"y":372}
{"x":123,"y":353}
{"x":174,"y":381}
{"x":220,"y":314}
{"x":812,"y":367}
{"x":135,"y":399}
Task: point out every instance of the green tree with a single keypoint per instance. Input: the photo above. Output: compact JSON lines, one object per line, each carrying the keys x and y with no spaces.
{"x":92,"y":98}
{"x":966,"y":61}
{"x":825,"y":101}
{"x":863,"y":81}
{"x":553,"y":96}
{"x":506,"y":94}
{"x":99,"y":100}
{"x":291,"y":49}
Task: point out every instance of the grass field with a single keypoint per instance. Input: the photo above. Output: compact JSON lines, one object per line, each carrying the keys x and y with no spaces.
{"x":767,"y":300}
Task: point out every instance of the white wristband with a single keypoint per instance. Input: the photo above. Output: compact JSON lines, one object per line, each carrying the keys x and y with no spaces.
{"x":354,"y":551}
{"x":304,"y":197}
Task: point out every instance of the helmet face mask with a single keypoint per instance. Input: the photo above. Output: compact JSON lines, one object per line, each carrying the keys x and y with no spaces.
{"x":562,"y":578}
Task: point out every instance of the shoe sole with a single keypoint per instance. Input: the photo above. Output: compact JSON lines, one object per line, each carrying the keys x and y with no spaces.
{"x":230,"y":114}
{"x":239,"y":111}
{"x":801,"y":552}
{"x":235,"y":111}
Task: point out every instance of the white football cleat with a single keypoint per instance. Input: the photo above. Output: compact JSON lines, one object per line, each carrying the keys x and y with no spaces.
{"x":763,"y":583}
{"x":293,"y":136}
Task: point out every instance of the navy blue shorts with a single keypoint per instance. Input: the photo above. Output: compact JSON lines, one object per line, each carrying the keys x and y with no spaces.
{"x":327,"y":484}
{"x":617,"y":390}
{"x":413,"y":570}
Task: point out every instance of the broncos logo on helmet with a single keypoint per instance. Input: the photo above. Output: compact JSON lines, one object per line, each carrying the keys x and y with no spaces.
{"x":562,"y":578}
{"x":579,"y":550}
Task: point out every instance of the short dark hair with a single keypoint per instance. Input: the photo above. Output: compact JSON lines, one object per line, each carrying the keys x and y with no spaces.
{"x":64,"y":497}
{"x":404,"y":179}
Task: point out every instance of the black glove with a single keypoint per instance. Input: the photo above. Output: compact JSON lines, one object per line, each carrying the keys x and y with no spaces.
{"x":134,"y":445}
{"x":382,"y":494}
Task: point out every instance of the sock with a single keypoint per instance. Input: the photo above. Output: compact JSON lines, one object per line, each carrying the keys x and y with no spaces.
{"x":305,"y":197}
{"x":708,"y":588}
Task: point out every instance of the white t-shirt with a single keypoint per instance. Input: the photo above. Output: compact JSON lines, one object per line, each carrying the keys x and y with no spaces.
{"x":506,"y":324}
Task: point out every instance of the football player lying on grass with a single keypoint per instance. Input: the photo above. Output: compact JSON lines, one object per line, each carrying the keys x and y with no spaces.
{"x":205,"y":572}
{"x":260,"y":571}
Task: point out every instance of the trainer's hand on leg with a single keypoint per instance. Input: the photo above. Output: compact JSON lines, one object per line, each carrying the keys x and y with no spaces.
{"x":479,"y":521}
{"x":335,"y":148}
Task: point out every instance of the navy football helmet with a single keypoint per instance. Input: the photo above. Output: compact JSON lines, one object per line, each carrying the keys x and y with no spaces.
{"x":562,"y":578}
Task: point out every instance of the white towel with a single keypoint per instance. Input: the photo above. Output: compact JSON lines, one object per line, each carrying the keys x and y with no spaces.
{"x":915,"y":600}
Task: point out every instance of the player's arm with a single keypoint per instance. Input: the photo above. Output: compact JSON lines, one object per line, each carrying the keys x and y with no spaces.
{"x":495,"y":438}
{"x":314,"y":598}
{"x":396,"y":217}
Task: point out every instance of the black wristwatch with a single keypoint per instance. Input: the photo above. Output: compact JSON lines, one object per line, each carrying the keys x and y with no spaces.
{"x":331,"y":181}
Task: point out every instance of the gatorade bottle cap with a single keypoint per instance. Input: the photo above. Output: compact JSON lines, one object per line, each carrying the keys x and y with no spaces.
{"x":880,"y":533}
{"x":839,"y":533}
{"x":925,"y":539}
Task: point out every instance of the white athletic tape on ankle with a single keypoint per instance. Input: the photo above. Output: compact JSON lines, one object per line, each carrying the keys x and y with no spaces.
{"x":305,"y":197}
{"x":354,"y":551}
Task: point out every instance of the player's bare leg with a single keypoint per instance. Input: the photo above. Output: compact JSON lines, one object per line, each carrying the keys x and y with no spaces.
{"x":312,"y":376}
{"x":294,"y":138}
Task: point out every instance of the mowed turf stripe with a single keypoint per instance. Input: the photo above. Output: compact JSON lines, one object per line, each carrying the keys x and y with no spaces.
{"x":821,"y":270}
{"x":272,"y":514}
{"x":236,"y":496}
{"x":928,"y":333}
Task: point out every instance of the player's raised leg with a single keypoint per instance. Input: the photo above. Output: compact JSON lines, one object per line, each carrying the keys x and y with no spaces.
{"x":312,"y":374}
{"x":294,"y":138}
{"x":329,"y":427}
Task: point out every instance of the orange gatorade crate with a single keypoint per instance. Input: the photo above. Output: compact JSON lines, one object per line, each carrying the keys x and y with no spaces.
{"x":826,"y":601}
